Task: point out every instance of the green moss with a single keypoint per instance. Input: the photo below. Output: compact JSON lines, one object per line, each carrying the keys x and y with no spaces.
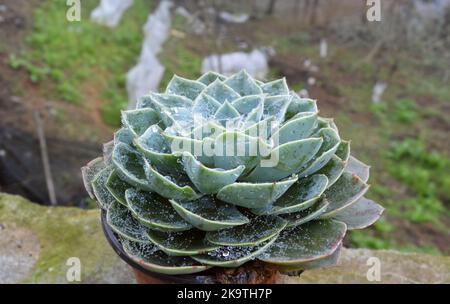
{"x":63,"y":233}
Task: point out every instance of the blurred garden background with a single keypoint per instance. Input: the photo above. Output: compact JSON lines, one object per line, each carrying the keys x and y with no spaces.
{"x":63,"y":83}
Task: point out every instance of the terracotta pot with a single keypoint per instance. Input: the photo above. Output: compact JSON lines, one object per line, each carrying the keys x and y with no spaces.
{"x":254,"y":272}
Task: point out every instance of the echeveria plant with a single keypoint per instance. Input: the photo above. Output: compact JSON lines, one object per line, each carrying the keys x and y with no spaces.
{"x":219,"y":171}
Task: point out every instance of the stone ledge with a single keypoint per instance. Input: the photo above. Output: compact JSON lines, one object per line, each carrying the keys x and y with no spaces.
{"x":37,"y":241}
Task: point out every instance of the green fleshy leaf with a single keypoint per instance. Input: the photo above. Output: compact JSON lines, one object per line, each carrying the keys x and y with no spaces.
{"x":183,"y":243}
{"x":167,"y":187}
{"x":155,"y":147}
{"x":251,"y":195}
{"x":137,"y":121}
{"x":304,"y":216}
{"x":209,"y":129}
{"x":154,"y":212}
{"x":346,"y":191}
{"x":232,"y":256}
{"x":221,"y":92}
{"x":276,"y":106}
{"x":208,"y":214}
{"x":276,"y":87}
{"x":285,"y":160}
{"x":209,"y":180}
{"x":124,"y":135}
{"x":323,"y":262}
{"x":300,"y":105}
{"x":247,"y":104}
{"x":120,"y":219}
{"x":185,"y":87}
{"x":333,"y":170}
{"x":233,"y":149}
{"x":172,"y":100}
{"x":226,"y":112}
{"x":259,"y":230}
{"x":103,"y":196}
{"x":243,"y":84}
{"x":151,"y":258}
{"x":206,"y":106}
{"x":305,"y":243}
{"x":130,"y":166}
{"x":358,"y":168}
{"x":330,"y":144}
{"x":296,"y":129}
{"x":210,"y":77}
{"x":145,"y":101}
{"x":343,"y":151}
{"x":117,"y":187}
{"x":360,"y":215}
{"x":303,"y":194}
{"x":263,"y":128}
{"x":89,"y":172}
{"x":107,"y":152}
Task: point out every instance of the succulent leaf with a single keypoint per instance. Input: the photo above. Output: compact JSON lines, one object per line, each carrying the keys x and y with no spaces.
{"x":296,"y":129}
{"x":130,"y":166}
{"x":154,"y":212}
{"x":89,"y":172}
{"x":346,"y":191}
{"x":120,"y":219}
{"x":124,"y":135}
{"x":210,"y":77}
{"x":288,"y":157}
{"x":117,"y":187}
{"x":137,"y":121}
{"x":303,"y":194}
{"x":333,"y":170}
{"x":205,"y":105}
{"x":361,"y":214}
{"x":185,"y":243}
{"x":322,"y":262}
{"x":243,"y":84}
{"x":185,"y":87}
{"x":300,"y":105}
{"x":153,"y":259}
{"x":221,"y":92}
{"x":259,"y":230}
{"x":209,"y":180}
{"x":166,"y":186}
{"x":103,"y":196}
{"x":306,"y":215}
{"x":276,"y":87}
{"x":255,"y":195}
{"x":305,"y":243}
{"x":330,"y":144}
{"x":358,"y":168}
{"x":232,"y":256}
{"x":209,"y":214}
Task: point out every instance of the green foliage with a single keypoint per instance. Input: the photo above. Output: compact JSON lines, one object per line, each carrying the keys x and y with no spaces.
{"x":426,"y":174}
{"x":76,"y":56}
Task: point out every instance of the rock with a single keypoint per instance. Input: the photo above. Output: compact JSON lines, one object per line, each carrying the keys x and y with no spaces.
{"x":255,"y":63}
{"x":109,"y":12}
{"x":37,"y":241}
{"x":395,"y":267}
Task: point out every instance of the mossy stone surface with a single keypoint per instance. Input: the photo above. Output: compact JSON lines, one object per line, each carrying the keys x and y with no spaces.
{"x":37,"y":241}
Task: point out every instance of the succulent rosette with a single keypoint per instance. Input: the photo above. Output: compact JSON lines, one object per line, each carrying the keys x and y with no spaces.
{"x":219,"y":171}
